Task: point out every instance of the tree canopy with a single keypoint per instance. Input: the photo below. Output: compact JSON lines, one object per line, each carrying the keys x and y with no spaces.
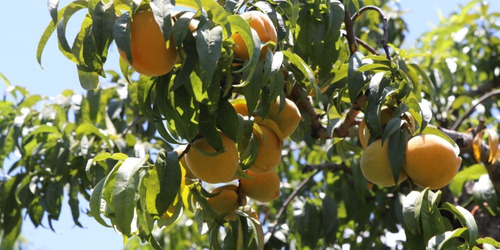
{"x":339,"y":64}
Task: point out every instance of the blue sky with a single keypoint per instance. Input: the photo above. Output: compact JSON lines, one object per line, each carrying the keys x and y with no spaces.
{"x":21,"y":25}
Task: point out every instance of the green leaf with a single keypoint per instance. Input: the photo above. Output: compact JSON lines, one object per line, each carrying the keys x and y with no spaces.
{"x":253,"y":89}
{"x":189,"y":45}
{"x":447,"y":240}
{"x":355,"y":80}
{"x":63,"y":42}
{"x":124,"y":193}
{"x":121,"y":33}
{"x":471,"y":173}
{"x":431,"y":90}
{"x":397,"y":150}
{"x":35,"y":211}
{"x":11,"y":212}
{"x":103,"y":157}
{"x":103,"y":20}
{"x":392,"y":126}
{"x":488,"y":240}
{"x":209,"y":47}
{"x":29,"y":102}
{"x":466,"y":219}
{"x":461,"y":101}
{"x":73,"y":201}
{"x":66,"y":13}
{"x":251,"y":39}
{"x":89,"y":129}
{"x":218,"y":15}
{"x":161,"y":11}
{"x":41,"y":129}
{"x":277,"y":82}
{"x":410,"y":209}
{"x":330,"y":223}
{"x":88,"y":80}
{"x":96,"y":201}
{"x":302,"y":66}
{"x":169,"y":179}
{"x":431,"y":219}
{"x":52,"y":5}
{"x":374,"y":67}
{"x":207,"y":127}
{"x":227,"y":119}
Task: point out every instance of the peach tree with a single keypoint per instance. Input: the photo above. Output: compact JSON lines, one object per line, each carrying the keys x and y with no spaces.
{"x":340,"y":63}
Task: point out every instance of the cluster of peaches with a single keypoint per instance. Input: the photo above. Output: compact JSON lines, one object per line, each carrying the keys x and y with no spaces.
{"x":430,"y":160}
{"x":260,"y":181}
{"x":152,"y":56}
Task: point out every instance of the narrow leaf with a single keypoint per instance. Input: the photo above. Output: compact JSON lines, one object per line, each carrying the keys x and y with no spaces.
{"x":476,"y":145}
{"x":493,"y":143}
{"x":52,"y":5}
{"x":465,"y":218}
{"x":124,"y":193}
{"x":96,"y":202}
{"x":209,"y":47}
{"x":65,"y":12}
{"x":397,"y":151}
{"x":88,"y":80}
{"x":161,"y":11}
{"x":121,"y":33}
{"x":302,"y":66}
{"x":169,"y":179}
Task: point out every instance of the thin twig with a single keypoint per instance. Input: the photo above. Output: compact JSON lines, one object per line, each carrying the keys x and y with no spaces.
{"x":288,"y":200}
{"x":342,"y":130}
{"x":366,"y":46}
{"x":384,"y":18}
{"x":473,"y":107}
{"x":332,"y":167}
{"x":349,"y":26}
{"x":480,"y":90}
{"x":125,"y":131}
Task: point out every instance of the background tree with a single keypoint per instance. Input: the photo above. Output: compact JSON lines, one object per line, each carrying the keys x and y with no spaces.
{"x":339,"y":62}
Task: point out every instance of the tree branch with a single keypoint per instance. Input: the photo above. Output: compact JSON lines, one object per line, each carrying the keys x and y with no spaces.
{"x":288,"y":200}
{"x":485,"y":87}
{"x":464,"y":141}
{"x":366,"y":46}
{"x":303,"y":103}
{"x":342,"y":130}
{"x":125,"y":131}
{"x":473,"y":107}
{"x":384,"y":18}
{"x":351,"y":38}
{"x":327,"y":166}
